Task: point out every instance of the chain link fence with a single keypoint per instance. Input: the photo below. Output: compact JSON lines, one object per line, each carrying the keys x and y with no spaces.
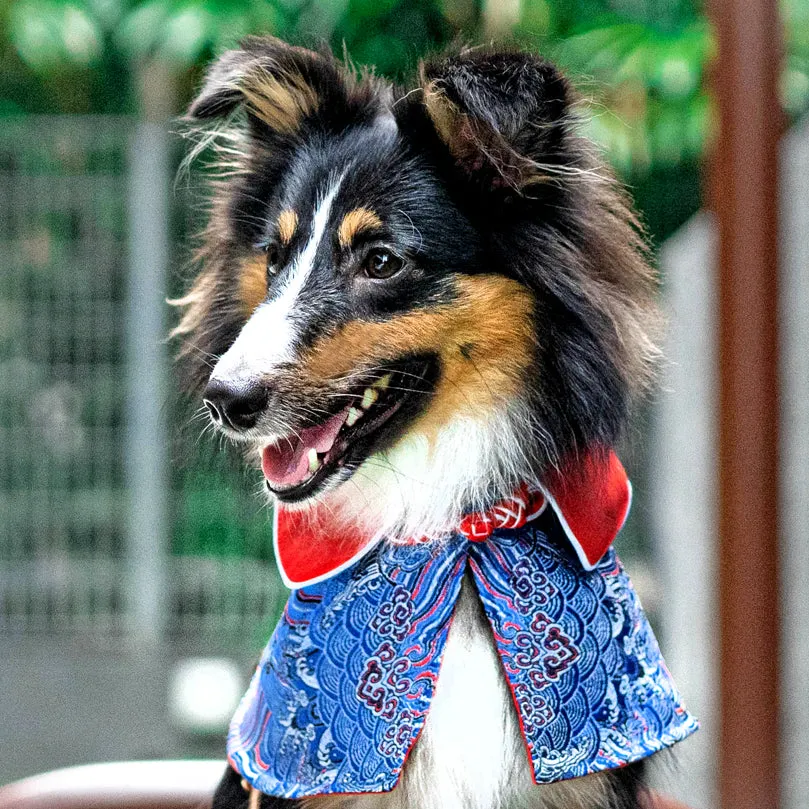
{"x":86,"y":413}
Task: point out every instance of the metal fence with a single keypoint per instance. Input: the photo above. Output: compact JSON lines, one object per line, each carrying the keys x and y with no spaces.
{"x":89,"y":540}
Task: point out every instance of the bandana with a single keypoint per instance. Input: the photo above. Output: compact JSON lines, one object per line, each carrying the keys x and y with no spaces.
{"x":344,"y":686}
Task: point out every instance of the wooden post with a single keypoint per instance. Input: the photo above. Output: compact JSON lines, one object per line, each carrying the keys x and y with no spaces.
{"x":744,"y":187}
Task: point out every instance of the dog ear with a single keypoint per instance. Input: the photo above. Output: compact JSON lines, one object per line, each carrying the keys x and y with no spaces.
{"x":278,"y":85}
{"x":502,"y":115}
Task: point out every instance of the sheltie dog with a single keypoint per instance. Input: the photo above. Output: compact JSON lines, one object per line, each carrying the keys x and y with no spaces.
{"x":412,"y":300}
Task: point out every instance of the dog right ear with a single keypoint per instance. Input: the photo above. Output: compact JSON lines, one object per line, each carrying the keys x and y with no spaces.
{"x":278,"y":85}
{"x":503,"y":115}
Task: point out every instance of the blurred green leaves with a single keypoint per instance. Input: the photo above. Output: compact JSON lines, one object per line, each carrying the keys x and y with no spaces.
{"x":795,"y":83}
{"x":185,"y":32}
{"x":49,"y":34}
{"x":648,"y":85}
{"x":641,"y":63}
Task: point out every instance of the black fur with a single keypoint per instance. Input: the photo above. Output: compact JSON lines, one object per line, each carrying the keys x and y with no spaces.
{"x":502,"y":182}
{"x":230,"y":794}
{"x":476,"y":169}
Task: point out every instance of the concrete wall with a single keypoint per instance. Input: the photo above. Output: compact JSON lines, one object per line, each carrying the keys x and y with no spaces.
{"x":683,"y":478}
{"x":66,"y":702}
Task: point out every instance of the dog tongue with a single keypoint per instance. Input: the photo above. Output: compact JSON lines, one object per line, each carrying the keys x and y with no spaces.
{"x":287,"y":462}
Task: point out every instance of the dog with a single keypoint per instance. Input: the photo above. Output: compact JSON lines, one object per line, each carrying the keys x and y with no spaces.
{"x":412,"y":301}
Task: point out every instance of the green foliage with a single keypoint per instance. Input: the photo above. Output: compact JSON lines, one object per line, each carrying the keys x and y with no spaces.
{"x":652,"y":94}
{"x":640,"y":62}
{"x":795,"y":85}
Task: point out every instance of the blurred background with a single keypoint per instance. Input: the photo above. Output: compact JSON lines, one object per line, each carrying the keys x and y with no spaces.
{"x":137,"y":584}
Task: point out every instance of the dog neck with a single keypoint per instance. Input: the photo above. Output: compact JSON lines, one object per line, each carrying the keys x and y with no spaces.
{"x":424,"y":485}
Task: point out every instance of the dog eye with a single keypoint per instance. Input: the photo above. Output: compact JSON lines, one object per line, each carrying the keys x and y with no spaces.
{"x":381,"y":264}
{"x":273,"y":257}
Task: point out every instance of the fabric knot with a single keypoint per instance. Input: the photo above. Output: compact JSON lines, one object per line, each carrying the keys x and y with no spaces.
{"x":513,"y":512}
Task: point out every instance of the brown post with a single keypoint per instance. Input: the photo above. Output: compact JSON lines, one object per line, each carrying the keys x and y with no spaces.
{"x":744,"y":186}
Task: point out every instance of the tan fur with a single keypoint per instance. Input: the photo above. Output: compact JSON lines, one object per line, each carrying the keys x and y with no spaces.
{"x":281,"y":103}
{"x":448,"y":120}
{"x":287,"y":225}
{"x":484,"y":339}
{"x":468,"y":139}
{"x":355,"y":222}
{"x":253,"y":283}
{"x":194,"y":305}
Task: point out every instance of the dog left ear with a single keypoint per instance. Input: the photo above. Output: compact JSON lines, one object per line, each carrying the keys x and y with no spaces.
{"x":283,"y":88}
{"x":502,"y":115}
{"x":278,"y":85}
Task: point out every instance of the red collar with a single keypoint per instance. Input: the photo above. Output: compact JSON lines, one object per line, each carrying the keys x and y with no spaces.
{"x":524,"y":505}
{"x":591,"y":499}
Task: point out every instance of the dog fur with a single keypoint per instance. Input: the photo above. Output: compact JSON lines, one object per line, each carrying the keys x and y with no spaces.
{"x":460,"y":238}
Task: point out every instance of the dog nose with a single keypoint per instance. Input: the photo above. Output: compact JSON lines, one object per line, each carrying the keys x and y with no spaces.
{"x":234,"y":406}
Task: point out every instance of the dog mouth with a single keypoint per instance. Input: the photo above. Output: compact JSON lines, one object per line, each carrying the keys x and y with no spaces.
{"x":299,"y":465}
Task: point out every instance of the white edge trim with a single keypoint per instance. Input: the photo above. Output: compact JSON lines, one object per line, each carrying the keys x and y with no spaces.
{"x":541,"y":510}
{"x":297,"y":585}
{"x":585,"y":562}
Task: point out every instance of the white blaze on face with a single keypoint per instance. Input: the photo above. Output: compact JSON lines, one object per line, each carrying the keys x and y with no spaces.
{"x":269,"y":338}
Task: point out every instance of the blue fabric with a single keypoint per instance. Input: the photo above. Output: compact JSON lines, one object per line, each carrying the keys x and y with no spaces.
{"x":345,"y":684}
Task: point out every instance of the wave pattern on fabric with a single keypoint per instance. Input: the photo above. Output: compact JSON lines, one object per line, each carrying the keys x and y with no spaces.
{"x":344,"y":686}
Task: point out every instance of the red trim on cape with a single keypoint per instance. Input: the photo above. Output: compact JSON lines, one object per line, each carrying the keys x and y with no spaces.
{"x":591,"y":498}
{"x":309,"y":547}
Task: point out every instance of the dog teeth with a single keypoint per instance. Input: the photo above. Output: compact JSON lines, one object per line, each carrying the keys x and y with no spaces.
{"x":314,"y":461}
{"x":354,"y":415}
{"x":369,"y":397}
{"x":383,"y":382}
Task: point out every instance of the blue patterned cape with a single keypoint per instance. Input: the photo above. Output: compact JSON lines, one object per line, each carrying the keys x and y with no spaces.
{"x":344,"y":686}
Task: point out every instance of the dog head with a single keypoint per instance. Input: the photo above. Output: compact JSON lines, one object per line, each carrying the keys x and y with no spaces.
{"x":411,"y":299}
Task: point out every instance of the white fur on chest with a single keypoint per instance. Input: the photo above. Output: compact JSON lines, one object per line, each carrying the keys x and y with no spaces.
{"x":470,"y":754}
